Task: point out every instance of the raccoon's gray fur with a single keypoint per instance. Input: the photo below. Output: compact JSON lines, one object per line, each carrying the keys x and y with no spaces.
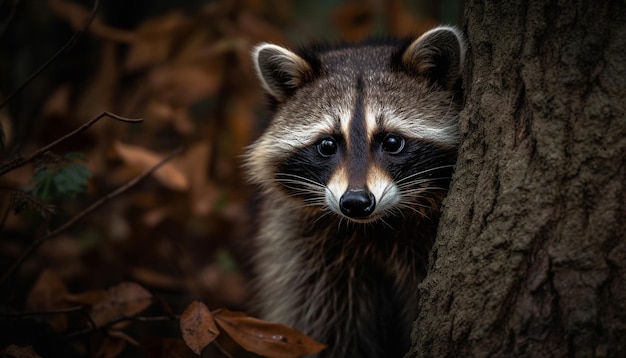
{"x":352,"y":171}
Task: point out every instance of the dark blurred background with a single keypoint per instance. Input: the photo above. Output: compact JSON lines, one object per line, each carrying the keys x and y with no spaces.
{"x":184,"y":67}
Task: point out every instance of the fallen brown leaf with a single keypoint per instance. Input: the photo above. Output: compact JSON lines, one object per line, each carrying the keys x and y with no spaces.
{"x":198,"y":326}
{"x":123,"y":300}
{"x":88,"y":298}
{"x":266,"y":338}
{"x":142,"y":159}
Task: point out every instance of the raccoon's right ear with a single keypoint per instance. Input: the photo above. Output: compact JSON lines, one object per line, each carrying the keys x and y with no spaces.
{"x":437,"y":55}
{"x":280,"y":70}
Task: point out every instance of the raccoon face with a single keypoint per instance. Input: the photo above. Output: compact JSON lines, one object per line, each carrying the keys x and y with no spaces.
{"x":365,"y":132}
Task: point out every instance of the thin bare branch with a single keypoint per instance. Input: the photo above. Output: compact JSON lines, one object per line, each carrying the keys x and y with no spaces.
{"x":31,"y":249}
{"x":67,"y":45}
{"x":111,"y":323}
{"x":43,"y":313}
{"x":18,"y":162}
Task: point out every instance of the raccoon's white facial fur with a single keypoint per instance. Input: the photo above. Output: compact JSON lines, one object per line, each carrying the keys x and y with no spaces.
{"x":353,"y":168}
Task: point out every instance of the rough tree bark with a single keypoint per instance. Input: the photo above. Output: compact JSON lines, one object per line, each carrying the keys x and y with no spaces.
{"x":531,"y":254}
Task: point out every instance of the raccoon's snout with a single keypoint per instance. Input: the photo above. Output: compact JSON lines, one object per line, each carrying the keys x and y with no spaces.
{"x":357,"y":203}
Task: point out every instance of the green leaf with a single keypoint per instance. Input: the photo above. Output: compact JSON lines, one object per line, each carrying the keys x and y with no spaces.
{"x":71,"y":180}
{"x":58,"y":180}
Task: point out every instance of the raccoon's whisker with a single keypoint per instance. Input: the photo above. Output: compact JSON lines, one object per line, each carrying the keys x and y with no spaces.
{"x":387,"y":224}
{"x":297,"y":179}
{"x":322,"y":216}
{"x":301,"y":191}
{"x":417,"y":178}
{"x":311,"y":200}
{"x":297,"y":176}
{"x":311,"y":205}
{"x":432,"y":160}
{"x":409,"y":177}
{"x":413,"y":206}
{"x":408,"y":207}
{"x":421,"y":189}
{"x":417,"y":190}
{"x":449,"y":106}
{"x":341,"y":220}
{"x":396,"y":209}
{"x":420,"y":182}
{"x":301,"y":185}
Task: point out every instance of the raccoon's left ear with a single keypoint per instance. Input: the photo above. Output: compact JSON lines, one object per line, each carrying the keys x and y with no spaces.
{"x":438,"y":54}
{"x":280,"y":70}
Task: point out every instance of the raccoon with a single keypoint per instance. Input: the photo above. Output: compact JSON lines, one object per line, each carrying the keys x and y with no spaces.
{"x":352,"y":170}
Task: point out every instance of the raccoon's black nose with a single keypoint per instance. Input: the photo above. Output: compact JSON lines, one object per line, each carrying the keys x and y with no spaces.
{"x":357,"y":203}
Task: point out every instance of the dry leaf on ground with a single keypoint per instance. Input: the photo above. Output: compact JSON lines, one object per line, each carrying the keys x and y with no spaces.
{"x":198,"y":326}
{"x":143,"y":159}
{"x":123,"y":300}
{"x":266,"y":338}
{"x":88,"y":298}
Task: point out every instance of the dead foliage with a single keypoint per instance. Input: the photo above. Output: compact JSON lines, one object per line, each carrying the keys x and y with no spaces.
{"x":110,"y":233}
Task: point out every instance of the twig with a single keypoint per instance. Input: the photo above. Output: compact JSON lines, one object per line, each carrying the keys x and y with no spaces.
{"x":80,"y":309}
{"x":67,"y":45}
{"x":16,"y":163}
{"x":111,"y":323}
{"x":84,"y":213}
{"x":43,"y":313}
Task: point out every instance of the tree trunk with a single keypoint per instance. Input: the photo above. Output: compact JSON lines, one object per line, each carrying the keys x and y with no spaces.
{"x":531,"y":254}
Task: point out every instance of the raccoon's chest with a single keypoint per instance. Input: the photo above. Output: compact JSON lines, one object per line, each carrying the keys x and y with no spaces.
{"x":369,"y":282}
{"x":379,"y":253}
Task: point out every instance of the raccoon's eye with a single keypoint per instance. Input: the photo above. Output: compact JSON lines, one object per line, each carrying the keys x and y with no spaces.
{"x":327,"y":147}
{"x":393,"y":143}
